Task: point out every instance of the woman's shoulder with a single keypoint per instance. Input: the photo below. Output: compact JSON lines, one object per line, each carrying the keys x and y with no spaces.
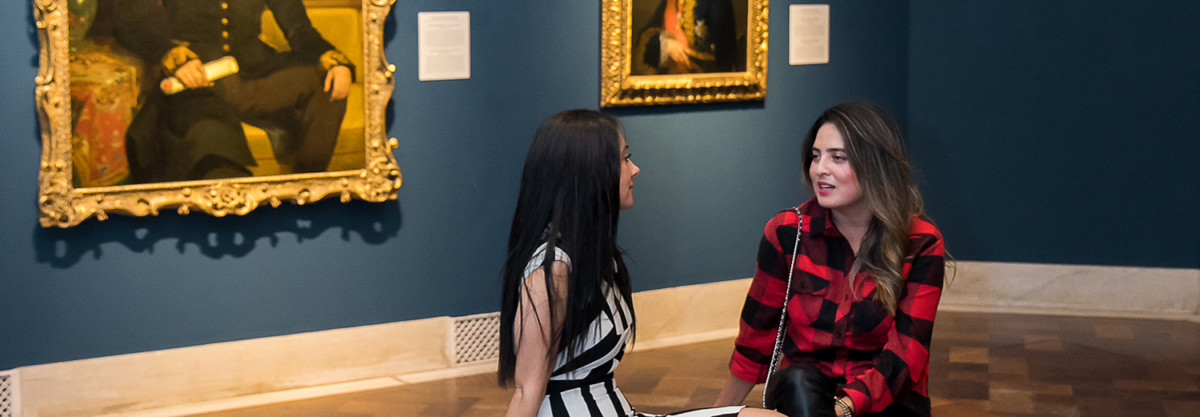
{"x":924,"y":227}
{"x":790,"y":217}
{"x":784,"y":224}
{"x":925,"y":236}
{"x":783,"y":219}
{"x":539,"y":256}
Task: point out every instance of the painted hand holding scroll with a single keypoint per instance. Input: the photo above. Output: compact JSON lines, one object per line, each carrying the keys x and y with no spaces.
{"x":213,"y":70}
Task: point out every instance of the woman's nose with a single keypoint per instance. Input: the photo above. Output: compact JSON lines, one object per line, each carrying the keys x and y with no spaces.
{"x":821,"y":167}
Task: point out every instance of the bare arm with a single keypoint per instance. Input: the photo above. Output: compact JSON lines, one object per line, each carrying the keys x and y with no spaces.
{"x":534,"y":342}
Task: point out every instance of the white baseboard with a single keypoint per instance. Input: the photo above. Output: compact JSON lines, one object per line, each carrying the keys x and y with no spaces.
{"x":172,"y":377}
{"x":1079,"y":290}
{"x":261,"y":371}
{"x":688,"y":314}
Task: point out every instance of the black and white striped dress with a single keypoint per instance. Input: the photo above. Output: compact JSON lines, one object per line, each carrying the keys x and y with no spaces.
{"x":583,"y":385}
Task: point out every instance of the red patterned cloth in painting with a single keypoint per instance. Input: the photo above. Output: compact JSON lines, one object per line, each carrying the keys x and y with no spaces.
{"x":105,"y":83}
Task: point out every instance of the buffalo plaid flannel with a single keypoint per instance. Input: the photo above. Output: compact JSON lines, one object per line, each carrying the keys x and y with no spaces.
{"x":878,"y":360}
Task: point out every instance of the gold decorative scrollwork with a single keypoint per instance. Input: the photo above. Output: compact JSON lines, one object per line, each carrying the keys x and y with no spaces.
{"x":63,"y":204}
{"x":619,"y":86}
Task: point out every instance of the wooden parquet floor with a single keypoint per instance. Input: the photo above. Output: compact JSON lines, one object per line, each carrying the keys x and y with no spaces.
{"x":982,"y":365}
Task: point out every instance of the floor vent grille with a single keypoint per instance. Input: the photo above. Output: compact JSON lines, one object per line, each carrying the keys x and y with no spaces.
{"x":9,"y":394}
{"x":476,"y":338}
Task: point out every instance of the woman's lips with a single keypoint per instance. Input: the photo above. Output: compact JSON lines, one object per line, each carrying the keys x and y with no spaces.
{"x":824,"y":189}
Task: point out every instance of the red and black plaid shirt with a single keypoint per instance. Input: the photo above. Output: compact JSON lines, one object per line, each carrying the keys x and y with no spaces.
{"x":846,"y":334}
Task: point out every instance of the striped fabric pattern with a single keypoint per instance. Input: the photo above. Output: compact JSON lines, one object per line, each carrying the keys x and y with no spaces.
{"x":582,"y":385}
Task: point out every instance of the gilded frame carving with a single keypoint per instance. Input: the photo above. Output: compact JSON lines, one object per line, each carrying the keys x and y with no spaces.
{"x":620,"y":87}
{"x":63,"y":204}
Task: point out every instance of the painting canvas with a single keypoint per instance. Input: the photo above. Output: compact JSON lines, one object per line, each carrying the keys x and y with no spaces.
{"x":683,"y":51}
{"x":210,"y":105}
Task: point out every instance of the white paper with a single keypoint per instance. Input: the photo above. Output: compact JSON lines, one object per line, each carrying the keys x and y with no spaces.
{"x":443,"y":46}
{"x":808,"y":34}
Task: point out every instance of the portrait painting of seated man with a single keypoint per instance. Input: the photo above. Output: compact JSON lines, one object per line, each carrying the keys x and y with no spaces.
{"x":298,"y":96}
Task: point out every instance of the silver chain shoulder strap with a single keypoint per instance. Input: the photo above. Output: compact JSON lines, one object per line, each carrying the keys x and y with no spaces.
{"x":783,"y":311}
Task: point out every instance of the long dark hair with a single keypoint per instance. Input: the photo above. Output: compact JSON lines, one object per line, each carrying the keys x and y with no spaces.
{"x":876,"y":152}
{"x":569,"y":199}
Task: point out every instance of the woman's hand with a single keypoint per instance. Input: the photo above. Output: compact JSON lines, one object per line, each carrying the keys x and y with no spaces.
{"x":675,"y":56}
{"x":734,"y":393}
{"x":837,"y":409}
{"x":337,"y":82}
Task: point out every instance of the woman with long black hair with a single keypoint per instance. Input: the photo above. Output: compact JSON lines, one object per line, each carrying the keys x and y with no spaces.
{"x":567,"y":307}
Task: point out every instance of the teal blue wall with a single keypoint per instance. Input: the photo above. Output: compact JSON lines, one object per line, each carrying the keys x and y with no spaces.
{"x":1077,"y":149}
{"x":1059,"y":131}
{"x":711,"y":176}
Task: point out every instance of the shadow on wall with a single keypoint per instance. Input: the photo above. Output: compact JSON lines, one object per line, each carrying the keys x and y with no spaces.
{"x":389,"y":33}
{"x":686,"y":108}
{"x":34,"y":63}
{"x":215,"y":237}
{"x":32,"y":32}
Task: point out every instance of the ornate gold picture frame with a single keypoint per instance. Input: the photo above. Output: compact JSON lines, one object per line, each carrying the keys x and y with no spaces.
{"x":682,"y":51}
{"x":89,"y":88}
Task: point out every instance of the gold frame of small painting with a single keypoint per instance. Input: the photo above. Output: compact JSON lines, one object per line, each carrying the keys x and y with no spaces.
{"x":717,"y":51}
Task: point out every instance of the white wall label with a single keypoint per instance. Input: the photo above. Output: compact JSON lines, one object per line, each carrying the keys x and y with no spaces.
{"x":443,"y":46}
{"x":808,"y":34}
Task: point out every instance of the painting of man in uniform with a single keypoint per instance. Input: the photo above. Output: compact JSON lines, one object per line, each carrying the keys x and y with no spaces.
{"x":688,"y":36}
{"x":214,"y":89}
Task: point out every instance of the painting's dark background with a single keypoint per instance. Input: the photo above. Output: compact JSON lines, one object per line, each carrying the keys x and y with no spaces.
{"x":642,"y":10}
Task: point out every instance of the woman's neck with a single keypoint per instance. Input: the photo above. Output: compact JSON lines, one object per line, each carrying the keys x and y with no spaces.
{"x":853,"y":224}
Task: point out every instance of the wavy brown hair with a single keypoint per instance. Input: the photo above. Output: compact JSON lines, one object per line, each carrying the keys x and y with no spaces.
{"x":876,"y":152}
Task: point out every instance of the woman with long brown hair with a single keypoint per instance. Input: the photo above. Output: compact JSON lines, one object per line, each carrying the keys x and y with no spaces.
{"x":847,"y":283}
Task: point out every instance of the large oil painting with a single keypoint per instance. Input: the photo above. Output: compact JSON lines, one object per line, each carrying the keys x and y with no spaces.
{"x":215,"y":106}
{"x":683,"y":51}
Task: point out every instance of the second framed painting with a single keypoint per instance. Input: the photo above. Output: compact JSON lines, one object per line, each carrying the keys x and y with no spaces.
{"x":682,"y":51}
